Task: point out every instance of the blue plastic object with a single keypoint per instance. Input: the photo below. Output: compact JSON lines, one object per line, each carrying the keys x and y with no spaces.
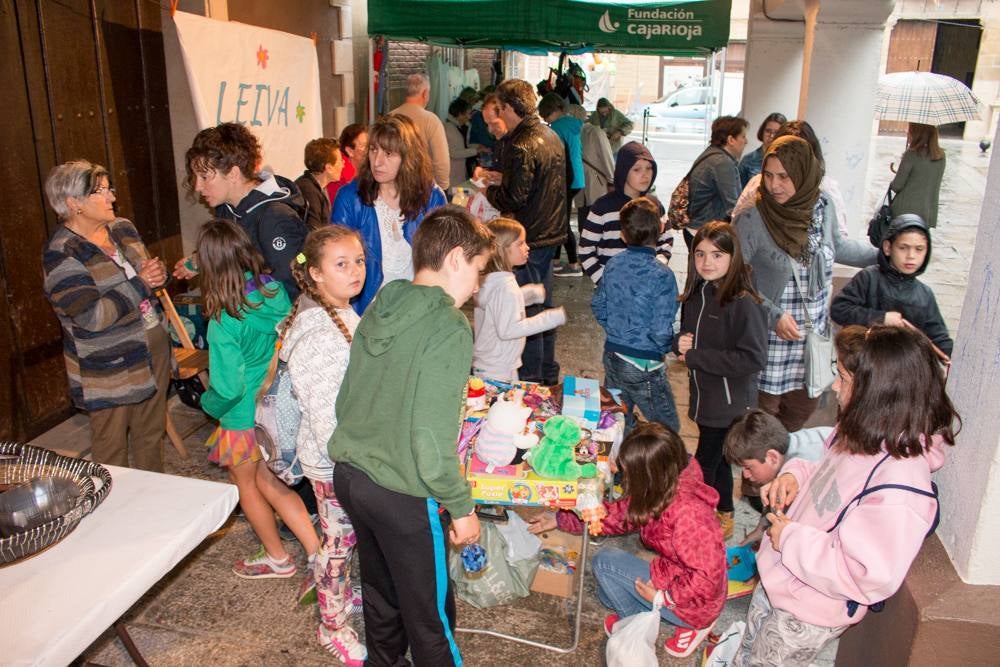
{"x":742,"y":563}
{"x":474,"y":558}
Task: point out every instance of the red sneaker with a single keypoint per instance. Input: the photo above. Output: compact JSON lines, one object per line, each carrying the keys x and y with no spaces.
{"x":609,"y":623}
{"x":685,"y":641}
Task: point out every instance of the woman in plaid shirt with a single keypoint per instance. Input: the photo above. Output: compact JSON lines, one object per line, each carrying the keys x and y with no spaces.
{"x":793,"y":227}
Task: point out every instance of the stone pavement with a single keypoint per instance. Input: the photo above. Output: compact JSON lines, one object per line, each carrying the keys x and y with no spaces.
{"x":202,"y":614}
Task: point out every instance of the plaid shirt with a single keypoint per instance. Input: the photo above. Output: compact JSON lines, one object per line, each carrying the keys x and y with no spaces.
{"x":786,"y":366}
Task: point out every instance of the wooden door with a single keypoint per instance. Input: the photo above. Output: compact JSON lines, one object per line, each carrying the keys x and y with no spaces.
{"x":911,"y":49}
{"x":84,"y":79}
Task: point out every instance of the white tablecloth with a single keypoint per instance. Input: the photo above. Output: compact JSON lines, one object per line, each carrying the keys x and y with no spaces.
{"x":55,"y":604}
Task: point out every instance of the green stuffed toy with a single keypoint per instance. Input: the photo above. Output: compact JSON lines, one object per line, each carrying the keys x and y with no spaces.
{"x":555,"y":456}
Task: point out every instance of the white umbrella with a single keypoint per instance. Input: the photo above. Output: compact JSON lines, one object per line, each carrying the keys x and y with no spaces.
{"x":924,"y":97}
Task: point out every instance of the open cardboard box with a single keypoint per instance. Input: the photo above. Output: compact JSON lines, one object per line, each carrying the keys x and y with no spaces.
{"x":546,"y":581}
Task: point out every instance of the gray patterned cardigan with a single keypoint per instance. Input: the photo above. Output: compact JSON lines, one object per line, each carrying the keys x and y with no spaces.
{"x":104,"y":341}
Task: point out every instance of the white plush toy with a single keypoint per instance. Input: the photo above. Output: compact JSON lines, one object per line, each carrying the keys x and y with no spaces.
{"x":503,"y":434}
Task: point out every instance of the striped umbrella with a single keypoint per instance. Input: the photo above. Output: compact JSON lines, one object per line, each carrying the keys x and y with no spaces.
{"x":924,"y":97}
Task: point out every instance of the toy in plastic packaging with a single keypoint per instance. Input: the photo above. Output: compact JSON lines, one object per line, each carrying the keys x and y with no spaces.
{"x":589,"y":504}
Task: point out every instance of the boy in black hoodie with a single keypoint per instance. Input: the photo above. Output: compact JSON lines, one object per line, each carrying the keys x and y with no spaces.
{"x":890,"y":293}
{"x":222,"y":167}
{"x":601,"y":237}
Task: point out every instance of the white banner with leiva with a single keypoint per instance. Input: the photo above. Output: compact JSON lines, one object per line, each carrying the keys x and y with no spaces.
{"x":266,"y":79}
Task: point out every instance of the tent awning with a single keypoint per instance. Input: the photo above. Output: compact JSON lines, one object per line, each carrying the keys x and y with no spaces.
{"x":663,"y":27}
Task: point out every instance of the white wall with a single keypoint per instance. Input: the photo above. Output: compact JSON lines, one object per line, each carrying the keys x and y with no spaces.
{"x":841,"y":104}
{"x":773,"y":71}
{"x":970,"y":482}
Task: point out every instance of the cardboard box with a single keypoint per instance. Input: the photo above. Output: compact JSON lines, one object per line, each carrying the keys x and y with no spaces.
{"x":582,"y":400}
{"x":555,"y":583}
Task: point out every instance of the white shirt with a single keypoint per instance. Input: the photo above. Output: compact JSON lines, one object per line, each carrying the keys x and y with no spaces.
{"x":397,"y":255}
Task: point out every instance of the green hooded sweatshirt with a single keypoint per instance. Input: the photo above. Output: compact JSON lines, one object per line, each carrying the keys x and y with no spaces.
{"x":239,"y":352}
{"x":400,"y":405}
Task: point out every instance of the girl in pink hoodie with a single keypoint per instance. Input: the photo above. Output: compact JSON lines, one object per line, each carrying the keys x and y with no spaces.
{"x":673,"y":511}
{"x":855,"y":519}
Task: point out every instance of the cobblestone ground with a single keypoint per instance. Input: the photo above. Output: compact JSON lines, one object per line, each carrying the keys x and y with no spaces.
{"x":202,"y":614}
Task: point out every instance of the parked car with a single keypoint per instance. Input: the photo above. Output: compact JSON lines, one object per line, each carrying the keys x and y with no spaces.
{"x":681,"y":110}
{"x":686,"y":109}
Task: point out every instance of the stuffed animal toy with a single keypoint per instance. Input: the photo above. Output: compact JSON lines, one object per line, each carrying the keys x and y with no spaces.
{"x":555,"y":455}
{"x":503,"y":434}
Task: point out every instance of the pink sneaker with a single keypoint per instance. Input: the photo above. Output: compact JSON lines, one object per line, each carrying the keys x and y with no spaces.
{"x":262,"y":566}
{"x":343,"y":644}
{"x":685,"y":641}
{"x":609,"y":623}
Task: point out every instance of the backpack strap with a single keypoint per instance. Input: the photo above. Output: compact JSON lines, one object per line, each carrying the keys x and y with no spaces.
{"x":852,"y":606}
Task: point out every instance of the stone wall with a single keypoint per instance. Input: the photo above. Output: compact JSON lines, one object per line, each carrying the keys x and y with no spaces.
{"x":405,"y":58}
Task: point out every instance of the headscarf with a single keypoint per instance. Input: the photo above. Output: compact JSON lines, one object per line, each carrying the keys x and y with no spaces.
{"x":789,"y":223}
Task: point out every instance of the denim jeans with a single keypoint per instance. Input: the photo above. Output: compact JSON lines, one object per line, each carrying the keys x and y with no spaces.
{"x":650,"y":390}
{"x":616,"y":572}
{"x":538,"y":361}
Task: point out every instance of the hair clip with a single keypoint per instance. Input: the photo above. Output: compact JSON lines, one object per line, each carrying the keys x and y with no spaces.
{"x":300,"y":258}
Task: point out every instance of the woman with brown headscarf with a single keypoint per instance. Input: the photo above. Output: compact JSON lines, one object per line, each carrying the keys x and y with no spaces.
{"x":793,"y":227}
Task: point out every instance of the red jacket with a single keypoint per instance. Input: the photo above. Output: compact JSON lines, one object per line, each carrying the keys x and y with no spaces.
{"x":691,"y":553}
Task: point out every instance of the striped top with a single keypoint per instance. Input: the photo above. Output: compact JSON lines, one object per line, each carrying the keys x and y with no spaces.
{"x":108,"y":362}
{"x":601,"y":236}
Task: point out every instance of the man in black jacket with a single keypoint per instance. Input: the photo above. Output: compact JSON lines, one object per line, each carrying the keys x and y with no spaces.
{"x":533,"y":192}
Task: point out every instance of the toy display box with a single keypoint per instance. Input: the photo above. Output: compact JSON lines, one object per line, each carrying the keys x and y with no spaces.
{"x":517,"y":485}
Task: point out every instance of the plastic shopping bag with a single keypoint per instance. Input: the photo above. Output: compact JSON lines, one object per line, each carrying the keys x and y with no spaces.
{"x":724,"y":652}
{"x":501,"y":581}
{"x":633,"y":639}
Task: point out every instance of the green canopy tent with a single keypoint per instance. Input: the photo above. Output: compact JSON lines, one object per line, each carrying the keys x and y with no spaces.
{"x":662,"y":27}
{"x":691,"y":27}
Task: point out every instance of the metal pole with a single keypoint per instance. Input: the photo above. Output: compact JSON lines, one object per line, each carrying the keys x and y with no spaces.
{"x":371,"y":80}
{"x":722,"y":81}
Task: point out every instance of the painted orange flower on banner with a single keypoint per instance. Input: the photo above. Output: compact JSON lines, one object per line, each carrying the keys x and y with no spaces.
{"x":262,"y":56}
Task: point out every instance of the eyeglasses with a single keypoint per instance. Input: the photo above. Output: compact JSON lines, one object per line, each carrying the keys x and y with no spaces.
{"x":104,"y":191}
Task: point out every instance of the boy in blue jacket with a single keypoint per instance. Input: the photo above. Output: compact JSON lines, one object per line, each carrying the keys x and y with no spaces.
{"x":635,"y":303}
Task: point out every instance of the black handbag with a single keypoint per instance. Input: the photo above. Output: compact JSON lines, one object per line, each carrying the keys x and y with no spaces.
{"x":879,"y":224}
{"x":189,"y":391}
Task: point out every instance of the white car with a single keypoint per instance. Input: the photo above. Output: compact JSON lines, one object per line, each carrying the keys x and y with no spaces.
{"x":683,"y":110}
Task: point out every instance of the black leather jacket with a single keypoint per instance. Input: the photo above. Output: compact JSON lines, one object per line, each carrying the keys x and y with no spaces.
{"x":533,"y":190}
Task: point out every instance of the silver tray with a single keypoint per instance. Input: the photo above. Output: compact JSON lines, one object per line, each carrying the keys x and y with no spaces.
{"x":21,"y":463}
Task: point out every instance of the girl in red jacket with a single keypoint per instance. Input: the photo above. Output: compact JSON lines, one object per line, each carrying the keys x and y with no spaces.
{"x":665,"y":500}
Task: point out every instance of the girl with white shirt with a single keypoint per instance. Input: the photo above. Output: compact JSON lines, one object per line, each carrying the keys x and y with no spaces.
{"x":500,"y":321}
{"x":393,"y":192}
{"x":316,"y":345}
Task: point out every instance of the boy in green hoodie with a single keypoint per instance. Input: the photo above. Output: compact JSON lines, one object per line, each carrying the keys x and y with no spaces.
{"x":396,"y":469}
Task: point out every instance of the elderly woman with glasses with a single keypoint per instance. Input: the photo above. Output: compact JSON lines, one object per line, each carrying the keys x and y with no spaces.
{"x":100,"y":280}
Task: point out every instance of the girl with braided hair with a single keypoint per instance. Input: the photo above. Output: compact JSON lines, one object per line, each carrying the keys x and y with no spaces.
{"x":315,"y":343}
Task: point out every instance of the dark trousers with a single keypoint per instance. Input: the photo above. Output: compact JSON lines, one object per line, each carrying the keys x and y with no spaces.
{"x":571,"y":256}
{"x":402,"y":553}
{"x":538,"y":361}
{"x":792,"y":409}
{"x":714,"y":467}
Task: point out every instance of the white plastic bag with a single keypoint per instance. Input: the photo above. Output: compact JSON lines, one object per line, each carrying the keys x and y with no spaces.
{"x":633,"y":639}
{"x":724,"y":652}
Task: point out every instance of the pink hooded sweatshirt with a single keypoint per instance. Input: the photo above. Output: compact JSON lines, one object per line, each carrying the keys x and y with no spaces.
{"x":867,"y":556}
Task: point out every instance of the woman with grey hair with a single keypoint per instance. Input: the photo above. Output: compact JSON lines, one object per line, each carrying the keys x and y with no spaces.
{"x":100,"y":280}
